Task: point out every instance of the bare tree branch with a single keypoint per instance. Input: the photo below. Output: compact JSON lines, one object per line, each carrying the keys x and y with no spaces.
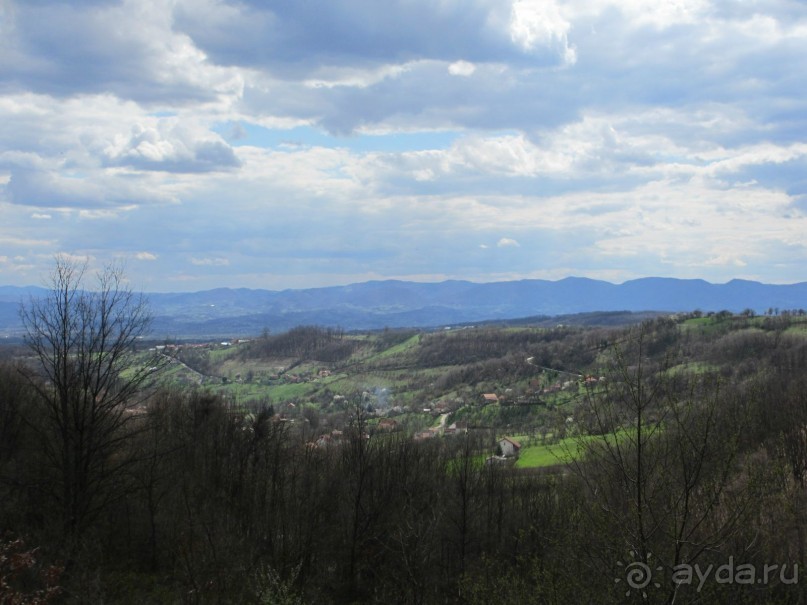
{"x":84,"y":342}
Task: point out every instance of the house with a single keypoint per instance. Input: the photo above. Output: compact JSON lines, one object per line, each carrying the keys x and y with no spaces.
{"x":427,"y":434}
{"x":387,"y":424}
{"x":490,"y":398}
{"x":328,"y":440}
{"x":456,"y":428}
{"x":442,"y":406}
{"x":324,"y":441}
{"x":509,"y":447}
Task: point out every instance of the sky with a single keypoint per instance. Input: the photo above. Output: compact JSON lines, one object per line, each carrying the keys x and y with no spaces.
{"x":307,"y":143}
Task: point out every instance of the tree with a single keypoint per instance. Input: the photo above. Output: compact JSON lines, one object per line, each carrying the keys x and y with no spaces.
{"x":88,"y":378}
{"x":659,"y":466}
{"x":15,"y":393}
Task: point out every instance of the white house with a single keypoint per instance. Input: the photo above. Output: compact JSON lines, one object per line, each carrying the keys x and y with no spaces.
{"x":509,"y":447}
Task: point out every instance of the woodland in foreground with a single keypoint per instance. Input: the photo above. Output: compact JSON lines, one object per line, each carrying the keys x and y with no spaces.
{"x":688,"y":455}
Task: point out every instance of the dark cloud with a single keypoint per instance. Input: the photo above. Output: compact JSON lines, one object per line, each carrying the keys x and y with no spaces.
{"x":732,"y":67}
{"x":39,"y":188}
{"x":65,"y":49}
{"x":736,"y":59}
{"x":51,"y":189}
{"x":426,"y":96}
{"x":295,"y":38}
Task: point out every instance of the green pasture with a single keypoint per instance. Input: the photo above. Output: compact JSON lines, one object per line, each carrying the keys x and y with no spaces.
{"x":561,"y":452}
{"x":800,"y":329}
{"x":402,"y":347}
{"x":219,"y":355}
{"x":692,"y":368}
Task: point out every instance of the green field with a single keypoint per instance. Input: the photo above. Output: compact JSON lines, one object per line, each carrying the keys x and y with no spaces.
{"x":409,"y":343}
{"x":565,"y":450}
{"x":561,"y":452}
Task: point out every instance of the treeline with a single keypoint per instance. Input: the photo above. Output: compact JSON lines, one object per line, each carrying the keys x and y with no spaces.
{"x":304,"y":342}
{"x":558,"y":347}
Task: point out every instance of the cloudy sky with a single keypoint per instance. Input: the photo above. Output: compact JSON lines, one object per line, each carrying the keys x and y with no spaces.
{"x":294,"y":143}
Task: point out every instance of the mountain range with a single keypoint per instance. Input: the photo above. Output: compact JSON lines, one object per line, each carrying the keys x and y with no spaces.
{"x":391,"y":303}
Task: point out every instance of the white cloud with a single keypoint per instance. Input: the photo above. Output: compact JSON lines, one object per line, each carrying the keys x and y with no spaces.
{"x":25,"y":242}
{"x":461,"y":68}
{"x":75,"y":258}
{"x":353,"y":77}
{"x":172,"y":147}
{"x":210,"y":262}
{"x":507,"y":242}
{"x":146,"y":256}
{"x":539,"y":23}
{"x":726,"y":260}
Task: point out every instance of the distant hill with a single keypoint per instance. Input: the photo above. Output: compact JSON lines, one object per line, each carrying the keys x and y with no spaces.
{"x":393,"y":303}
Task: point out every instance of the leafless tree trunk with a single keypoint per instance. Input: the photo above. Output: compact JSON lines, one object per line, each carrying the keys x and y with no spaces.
{"x":84,"y":343}
{"x":659,"y":465}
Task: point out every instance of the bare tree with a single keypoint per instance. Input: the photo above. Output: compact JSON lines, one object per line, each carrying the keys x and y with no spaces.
{"x":659,"y":465}
{"x":84,"y":344}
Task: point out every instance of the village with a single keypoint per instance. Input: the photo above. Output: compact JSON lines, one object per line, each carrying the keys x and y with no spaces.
{"x":313,"y":399}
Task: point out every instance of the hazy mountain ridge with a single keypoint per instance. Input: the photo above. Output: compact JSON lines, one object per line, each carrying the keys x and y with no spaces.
{"x":394,"y":303}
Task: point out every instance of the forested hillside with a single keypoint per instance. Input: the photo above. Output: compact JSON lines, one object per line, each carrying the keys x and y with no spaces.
{"x":530,"y":464}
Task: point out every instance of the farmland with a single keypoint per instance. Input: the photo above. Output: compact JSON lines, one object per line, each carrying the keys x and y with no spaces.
{"x":542,"y":377}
